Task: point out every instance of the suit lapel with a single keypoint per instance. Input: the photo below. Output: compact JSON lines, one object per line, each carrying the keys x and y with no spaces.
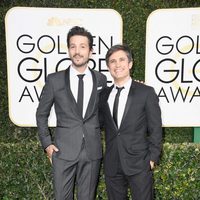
{"x":108,"y":91}
{"x":128,"y":103}
{"x":93,"y":96}
{"x":69,"y":92}
{"x":107,"y":107}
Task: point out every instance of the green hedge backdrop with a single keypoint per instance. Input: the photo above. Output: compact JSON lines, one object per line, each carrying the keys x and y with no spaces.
{"x":25,"y":172}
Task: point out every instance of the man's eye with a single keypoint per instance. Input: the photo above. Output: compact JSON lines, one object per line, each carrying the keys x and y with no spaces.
{"x":112,"y":61}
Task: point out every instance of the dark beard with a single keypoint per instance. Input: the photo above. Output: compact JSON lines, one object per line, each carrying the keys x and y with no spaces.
{"x":79,"y":65}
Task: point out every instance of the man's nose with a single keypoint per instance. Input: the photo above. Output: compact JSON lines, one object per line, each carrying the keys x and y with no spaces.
{"x":118,"y":64}
{"x":76,"y":50}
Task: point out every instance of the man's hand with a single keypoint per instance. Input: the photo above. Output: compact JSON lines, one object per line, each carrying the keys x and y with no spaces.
{"x":152,"y":164}
{"x":139,"y":81}
{"x":50,"y":149}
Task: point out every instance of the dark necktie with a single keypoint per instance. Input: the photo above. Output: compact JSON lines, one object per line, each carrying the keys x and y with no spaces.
{"x":115,"y":106}
{"x":80,"y":94}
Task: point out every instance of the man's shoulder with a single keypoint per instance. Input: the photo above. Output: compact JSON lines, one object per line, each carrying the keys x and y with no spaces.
{"x":57,"y":75}
{"x":97,"y":73}
{"x":101,"y":78}
{"x":142,"y":88}
{"x":142,"y":85}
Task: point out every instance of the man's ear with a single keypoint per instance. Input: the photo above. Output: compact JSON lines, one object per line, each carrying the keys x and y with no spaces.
{"x":130,"y":65}
{"x":91,"y":51}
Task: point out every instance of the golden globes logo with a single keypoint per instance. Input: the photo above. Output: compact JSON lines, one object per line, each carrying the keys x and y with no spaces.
{"x":180,"y":70}
{"x":34,"y":67}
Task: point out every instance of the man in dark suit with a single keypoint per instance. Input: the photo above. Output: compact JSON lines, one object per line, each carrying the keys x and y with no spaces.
{"x":132,"y":119}
{"x":76,"y":149}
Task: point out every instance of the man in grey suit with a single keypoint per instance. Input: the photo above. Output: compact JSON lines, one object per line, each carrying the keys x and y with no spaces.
{"x":133,"y":130}
{"x":76,"y":149}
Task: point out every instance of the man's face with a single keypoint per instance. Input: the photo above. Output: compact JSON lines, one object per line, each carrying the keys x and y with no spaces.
{"x":119,"y":66}
{"x":79,"y":50}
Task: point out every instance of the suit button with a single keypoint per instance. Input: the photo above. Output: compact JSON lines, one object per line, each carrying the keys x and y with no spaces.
{"x":118,"y":134}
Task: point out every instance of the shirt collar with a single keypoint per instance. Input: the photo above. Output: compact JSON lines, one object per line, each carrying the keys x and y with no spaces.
{"x":74,"y":72}
{"x":127,"y":84}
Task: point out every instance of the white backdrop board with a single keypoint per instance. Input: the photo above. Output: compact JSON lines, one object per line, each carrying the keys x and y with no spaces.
{"x":36,"y":46}
{"x":173,"y":64}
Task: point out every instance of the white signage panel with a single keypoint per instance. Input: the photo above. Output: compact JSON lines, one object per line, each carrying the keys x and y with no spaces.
{"x":173,"y":64}
{"x":36,"y":46}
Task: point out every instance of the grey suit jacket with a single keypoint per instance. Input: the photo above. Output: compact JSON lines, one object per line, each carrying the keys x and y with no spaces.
{"x":138,"y":139}
{"x":70,"y":125}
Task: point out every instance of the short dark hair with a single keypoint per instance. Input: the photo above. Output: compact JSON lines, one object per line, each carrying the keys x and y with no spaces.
{"x":76,"y":30}
{"x":119,"y":47}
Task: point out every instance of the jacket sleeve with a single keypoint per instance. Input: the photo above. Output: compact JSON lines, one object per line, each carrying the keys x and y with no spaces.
{"x":42,"y":114}
{"x":154,"y":123}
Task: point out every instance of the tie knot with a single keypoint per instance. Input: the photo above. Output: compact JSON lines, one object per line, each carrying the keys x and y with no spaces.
{"x":80,"y":76}
{"x":119,"y":89}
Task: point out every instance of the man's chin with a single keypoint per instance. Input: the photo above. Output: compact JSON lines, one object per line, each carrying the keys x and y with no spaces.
{"x":79,"y":65}
{"x":118,"y":76}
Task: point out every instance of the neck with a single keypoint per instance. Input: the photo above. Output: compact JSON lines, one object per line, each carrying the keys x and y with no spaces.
{"x":121,"y":82}
{"x":80,"y":69}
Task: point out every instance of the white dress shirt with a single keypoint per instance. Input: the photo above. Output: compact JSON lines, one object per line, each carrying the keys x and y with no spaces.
{"x":122,"y":99}
{"x":87,"y":87}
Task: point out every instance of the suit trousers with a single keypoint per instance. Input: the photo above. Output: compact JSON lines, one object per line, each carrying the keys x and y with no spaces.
{"x":141,"y":185}
{"x":82,"y":172}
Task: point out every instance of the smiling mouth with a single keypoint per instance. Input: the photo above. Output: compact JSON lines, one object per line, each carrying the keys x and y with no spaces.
{"x":118,"y":71}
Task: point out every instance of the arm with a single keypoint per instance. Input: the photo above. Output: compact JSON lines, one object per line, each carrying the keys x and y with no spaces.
{"x":154,"y":126}
{"x":42,"y":114}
